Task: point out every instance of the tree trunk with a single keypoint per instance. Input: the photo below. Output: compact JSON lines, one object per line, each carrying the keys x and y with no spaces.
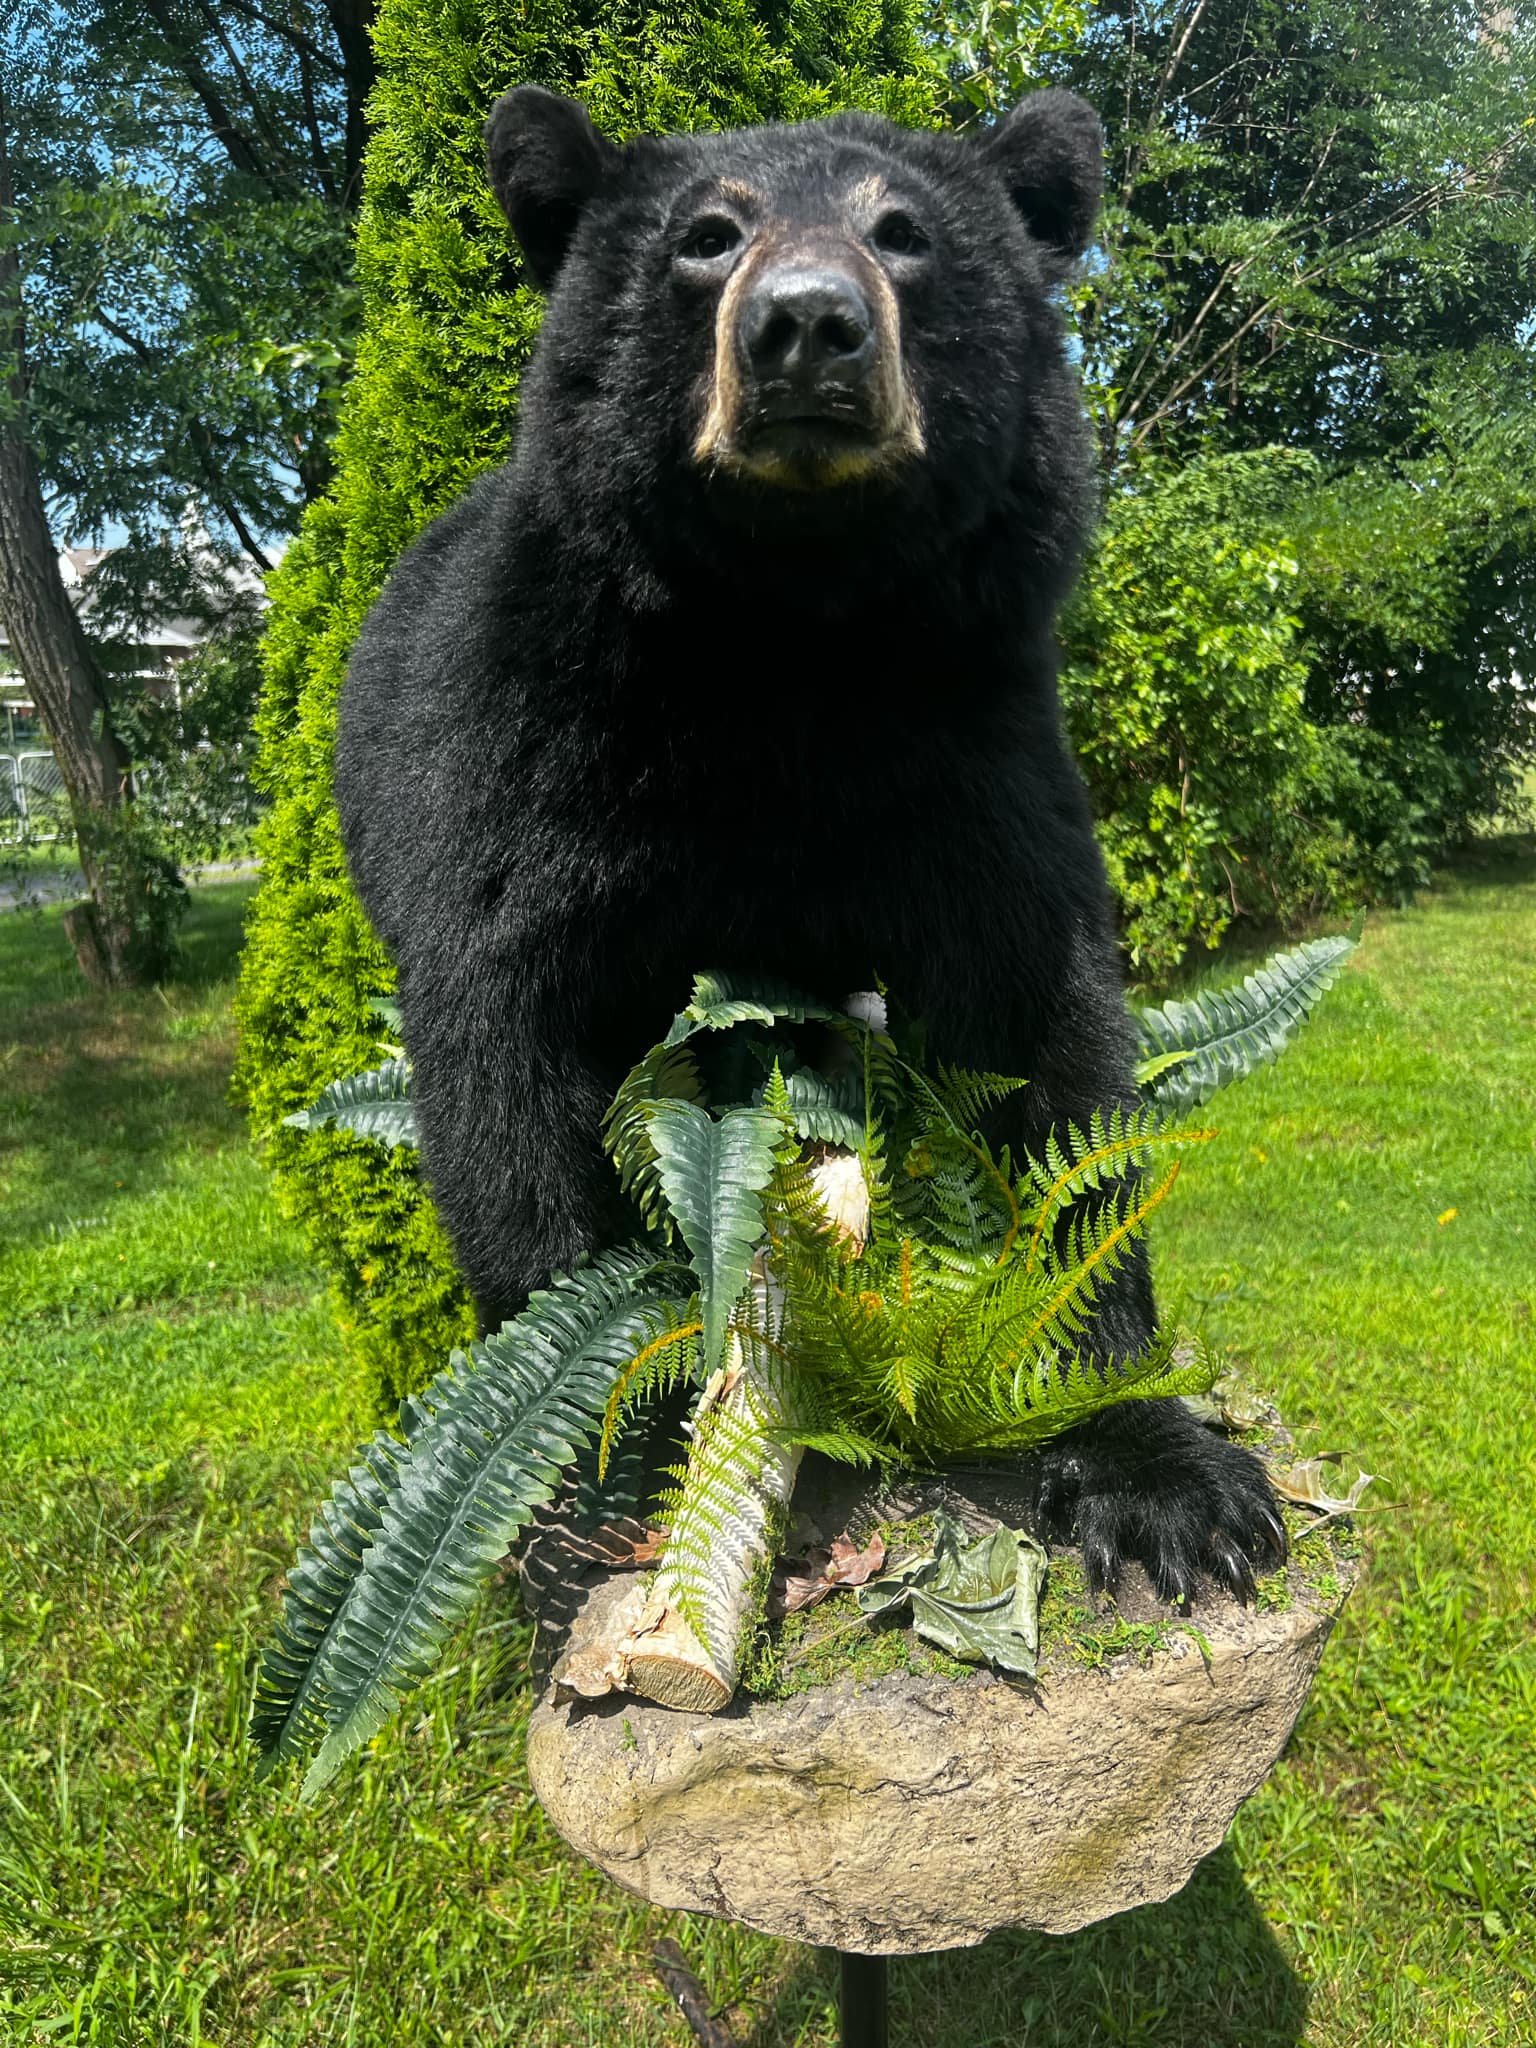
{"x":352,"y":23}
{"x":120,"y":932}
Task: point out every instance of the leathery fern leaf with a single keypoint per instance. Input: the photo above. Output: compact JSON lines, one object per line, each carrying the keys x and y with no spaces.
{"x":667,"y":1073}
{"x":288,"y":1712}
{"x":376,"y":1104}
{"x":490,"y":1443}
{"x":1225,"y":1033}
{"x":721,"y":1000}
{"x":713,"y":1174}
{"x":826,"y":1110}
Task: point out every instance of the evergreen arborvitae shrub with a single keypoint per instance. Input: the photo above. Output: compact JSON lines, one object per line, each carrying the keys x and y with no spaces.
{"x":448,"y":325}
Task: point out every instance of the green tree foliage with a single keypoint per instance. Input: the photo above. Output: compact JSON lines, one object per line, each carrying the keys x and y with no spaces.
{"x":1185,"y":693}
{"x":447,"y":325}
{"x":1308,"y":204}
{"x":176,"y":190}
{"x":184,"y":199}
{"x":1319,"y":253}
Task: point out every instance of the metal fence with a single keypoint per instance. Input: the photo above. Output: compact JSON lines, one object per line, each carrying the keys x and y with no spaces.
{"x":32,"y":801}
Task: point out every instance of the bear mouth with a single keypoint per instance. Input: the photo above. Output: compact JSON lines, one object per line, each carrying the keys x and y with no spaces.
{"x":807,"y":444}
{"x":784,"y":433}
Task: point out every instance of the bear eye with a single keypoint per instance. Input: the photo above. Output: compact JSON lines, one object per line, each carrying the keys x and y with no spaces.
{"x":709,"y":240}
{"x":899,"y":235}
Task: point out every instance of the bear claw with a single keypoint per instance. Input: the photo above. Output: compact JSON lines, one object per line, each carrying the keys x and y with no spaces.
{"x":1156,"y":1487}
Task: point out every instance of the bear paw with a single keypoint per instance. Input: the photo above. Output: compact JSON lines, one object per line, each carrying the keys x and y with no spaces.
{"x":1146,"y":1480}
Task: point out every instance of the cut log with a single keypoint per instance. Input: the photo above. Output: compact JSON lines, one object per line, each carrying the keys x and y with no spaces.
{"x":648,"y":1645}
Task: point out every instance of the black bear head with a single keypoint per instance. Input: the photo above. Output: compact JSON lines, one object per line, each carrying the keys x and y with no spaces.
{"x":843,"y":312}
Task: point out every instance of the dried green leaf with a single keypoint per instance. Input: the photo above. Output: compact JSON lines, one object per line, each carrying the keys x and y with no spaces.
{"x":979,"y":1601}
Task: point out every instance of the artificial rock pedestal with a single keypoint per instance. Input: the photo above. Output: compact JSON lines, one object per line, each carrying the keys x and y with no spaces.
{"x":910,"y":1812}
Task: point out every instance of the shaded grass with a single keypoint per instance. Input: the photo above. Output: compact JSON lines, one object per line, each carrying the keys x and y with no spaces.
{"x":167,"y":1425}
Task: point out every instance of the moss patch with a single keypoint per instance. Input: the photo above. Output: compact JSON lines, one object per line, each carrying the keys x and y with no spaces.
{"x":1317,"y":1553}
{"x":823,"y":1644}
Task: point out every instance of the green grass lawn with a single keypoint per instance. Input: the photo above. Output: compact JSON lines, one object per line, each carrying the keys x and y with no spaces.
{"x":174,"y":1398}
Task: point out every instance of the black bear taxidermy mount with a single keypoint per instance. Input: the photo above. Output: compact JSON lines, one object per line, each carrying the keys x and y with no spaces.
{"x":745,"y":658}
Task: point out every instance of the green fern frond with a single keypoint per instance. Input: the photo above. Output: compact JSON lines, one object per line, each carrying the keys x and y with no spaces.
{"x":662,"y":1363}
{"x":667,"y":1073}
{"x":966,"y":1097}
{"x":774,"y":1098}
{"x":376,"y":1104}
{"x":960,"y":1206}
{"x":826,"y":1110}
{"x":721,"y":1000}
{"x":1148,"y":1070}
{"x":713,"y":1174}
{"x":1227,"y":1032}
{"x":1053,"y":1392}
{"x":1113,"y":1146}
{"x":716,"y":1494}
{"x":1100,"y":1241}
{"x":288,"y":1712}
{"x":846,"y":1446}
{"x":489,"y":1443}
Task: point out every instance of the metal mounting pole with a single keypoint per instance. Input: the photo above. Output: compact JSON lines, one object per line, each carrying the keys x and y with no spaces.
{"x":861,"y":2001}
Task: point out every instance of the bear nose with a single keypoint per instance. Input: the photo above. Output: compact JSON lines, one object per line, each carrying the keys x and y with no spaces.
{"x":809,"y":325}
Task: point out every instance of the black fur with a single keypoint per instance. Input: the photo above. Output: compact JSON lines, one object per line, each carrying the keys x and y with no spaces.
{"x":618,"y":717}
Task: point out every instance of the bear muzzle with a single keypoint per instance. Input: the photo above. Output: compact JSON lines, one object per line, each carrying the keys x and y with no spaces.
{"x":808,"y":389}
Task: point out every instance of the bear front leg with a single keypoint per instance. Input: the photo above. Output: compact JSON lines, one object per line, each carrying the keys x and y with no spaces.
{"x":508,"y":1108}
{"x":1143,"y":1480}
{"x":1147,"y":1480}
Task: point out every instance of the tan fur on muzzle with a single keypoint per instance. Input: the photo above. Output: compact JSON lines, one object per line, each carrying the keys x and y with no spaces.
{"x":897,"y":427}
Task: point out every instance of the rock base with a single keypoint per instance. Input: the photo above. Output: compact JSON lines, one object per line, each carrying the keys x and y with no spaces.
{"x":908,"y":1813}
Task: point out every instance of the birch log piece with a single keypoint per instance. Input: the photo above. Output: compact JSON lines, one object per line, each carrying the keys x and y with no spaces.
{"x":649,"y":1647}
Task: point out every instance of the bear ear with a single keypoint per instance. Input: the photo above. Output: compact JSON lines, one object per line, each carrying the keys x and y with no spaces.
{"x":546,"y":161}
{"x":1049,"y":152}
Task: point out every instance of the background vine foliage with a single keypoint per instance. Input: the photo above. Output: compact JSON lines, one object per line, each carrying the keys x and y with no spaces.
{"x":448,"y":325}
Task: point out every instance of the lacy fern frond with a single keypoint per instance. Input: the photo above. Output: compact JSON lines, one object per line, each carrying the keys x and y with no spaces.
{"x":1113,"y":1145}
{"x":376,"y":1104}
{"x":1050,"y":1392}
{"x":1225,"y":1033}
{"x":662,"y":1363}
{"x":966,"y":1098}
{"x":718,"y":1502}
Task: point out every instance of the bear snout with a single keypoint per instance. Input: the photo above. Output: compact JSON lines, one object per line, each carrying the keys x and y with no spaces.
{"x":806,"y":327}
{"x":808,"y":387}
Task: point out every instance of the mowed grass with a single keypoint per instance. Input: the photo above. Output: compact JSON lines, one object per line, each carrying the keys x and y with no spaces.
{"x":174,"y":1400}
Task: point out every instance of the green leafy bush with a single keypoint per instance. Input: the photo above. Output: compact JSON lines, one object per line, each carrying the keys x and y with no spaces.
{"x":1185,"y":697}
{"x":447,"y":328}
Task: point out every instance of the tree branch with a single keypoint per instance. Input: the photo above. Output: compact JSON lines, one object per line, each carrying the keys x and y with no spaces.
{"x":237,"y":144}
